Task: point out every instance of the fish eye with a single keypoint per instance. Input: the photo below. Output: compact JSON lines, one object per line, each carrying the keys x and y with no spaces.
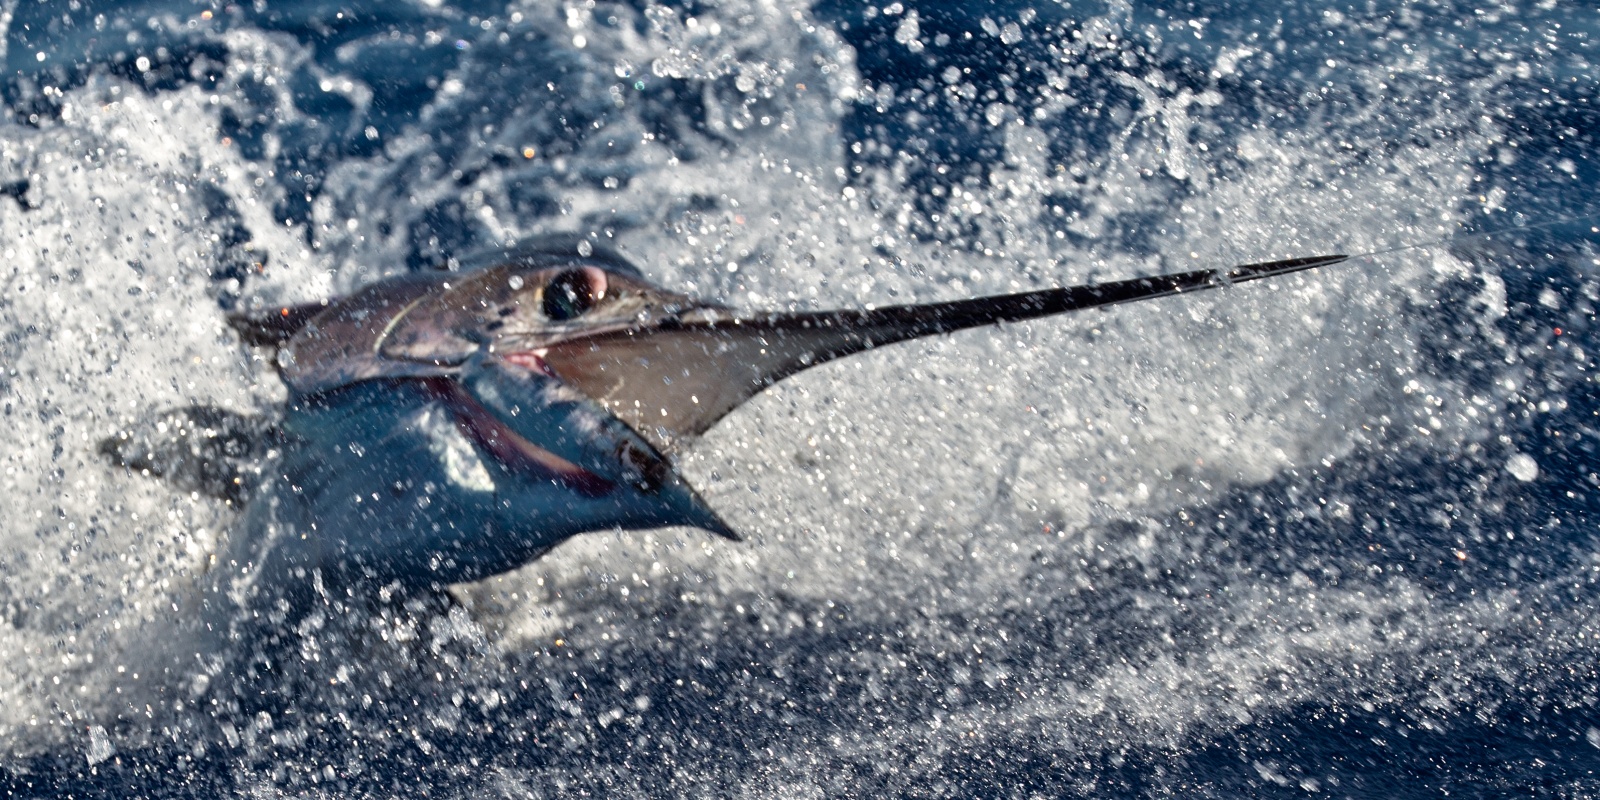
{"x":572,"y":293}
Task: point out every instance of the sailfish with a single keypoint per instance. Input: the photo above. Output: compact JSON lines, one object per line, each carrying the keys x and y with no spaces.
{"x":441,"y":428}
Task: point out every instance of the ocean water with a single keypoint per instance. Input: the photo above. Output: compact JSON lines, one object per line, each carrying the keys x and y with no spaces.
{"x":1332,"y":534}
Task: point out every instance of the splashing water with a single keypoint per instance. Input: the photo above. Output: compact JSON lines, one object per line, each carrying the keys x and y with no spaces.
{"x":1301,"y":535}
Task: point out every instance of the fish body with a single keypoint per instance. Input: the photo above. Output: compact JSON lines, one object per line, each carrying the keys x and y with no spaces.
{"x":448,"y":427}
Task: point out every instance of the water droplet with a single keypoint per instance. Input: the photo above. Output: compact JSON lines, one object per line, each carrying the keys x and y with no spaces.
{"x":1522,"y":467}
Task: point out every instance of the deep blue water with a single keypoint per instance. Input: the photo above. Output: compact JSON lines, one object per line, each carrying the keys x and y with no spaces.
{"x":1392,"y":609}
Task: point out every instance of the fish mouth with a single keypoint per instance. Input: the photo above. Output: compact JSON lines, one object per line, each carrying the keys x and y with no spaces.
{"x":510,"y":449}
{"x":674,"y":378}
{"x":538,"y":428}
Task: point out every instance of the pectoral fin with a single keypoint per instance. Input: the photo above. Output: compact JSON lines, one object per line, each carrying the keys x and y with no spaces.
{"x":202,"y":449}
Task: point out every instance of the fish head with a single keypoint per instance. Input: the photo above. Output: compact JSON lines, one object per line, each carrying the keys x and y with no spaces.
{"x":667,"y":364}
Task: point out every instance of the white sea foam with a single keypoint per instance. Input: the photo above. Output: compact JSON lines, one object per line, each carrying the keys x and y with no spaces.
{"x":109,"y":313}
